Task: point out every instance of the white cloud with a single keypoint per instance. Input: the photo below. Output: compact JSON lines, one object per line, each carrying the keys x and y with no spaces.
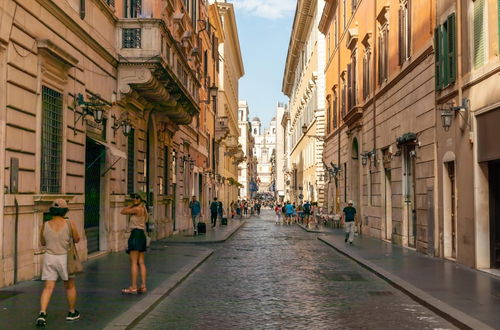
{"x":271,"y":9}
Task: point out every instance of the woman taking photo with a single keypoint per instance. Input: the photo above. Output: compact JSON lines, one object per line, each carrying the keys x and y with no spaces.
{"x":56,"y":235}
{"x":137,"y":243}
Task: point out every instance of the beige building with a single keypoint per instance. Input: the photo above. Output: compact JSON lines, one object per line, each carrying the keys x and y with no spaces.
{"x":264,"y":151}
{"x":101,"y":99}
{"x":230,"y":64}
{"x":304,"y":84}
{"x":246,"y":141}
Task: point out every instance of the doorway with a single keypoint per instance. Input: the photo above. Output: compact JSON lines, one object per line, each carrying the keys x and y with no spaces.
{"x":388,"y":204}
{"x":94,"y":157}
{"x":450,"y":218}
{"x":409,"y":194}
{"x":494,"y":184}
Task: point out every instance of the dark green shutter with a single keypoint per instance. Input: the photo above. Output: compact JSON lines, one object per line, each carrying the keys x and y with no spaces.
{"x":451,"y":54}
{"x":444,"y":54}
{"x":478,"y":34}
{"x":437,"y":60}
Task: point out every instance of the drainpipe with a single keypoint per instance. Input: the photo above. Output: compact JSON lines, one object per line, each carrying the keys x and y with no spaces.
{"x":16,"y":231}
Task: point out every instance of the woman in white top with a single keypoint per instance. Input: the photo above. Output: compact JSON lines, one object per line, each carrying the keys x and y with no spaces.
{"x":56,"y":235}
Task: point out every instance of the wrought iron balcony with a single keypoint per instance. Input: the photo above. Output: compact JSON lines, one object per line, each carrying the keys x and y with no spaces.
{"x":154,"y":64}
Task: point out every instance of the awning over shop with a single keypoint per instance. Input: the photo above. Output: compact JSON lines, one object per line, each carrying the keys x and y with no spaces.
{"x":112,"y":149}
{"x":488,"y":136}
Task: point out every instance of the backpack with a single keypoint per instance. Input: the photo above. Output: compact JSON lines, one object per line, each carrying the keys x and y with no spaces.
{"x":307,"y":207}
{"x":283,"y":209}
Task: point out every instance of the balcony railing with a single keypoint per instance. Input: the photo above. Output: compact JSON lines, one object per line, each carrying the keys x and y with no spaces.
{"x":148,"y":41}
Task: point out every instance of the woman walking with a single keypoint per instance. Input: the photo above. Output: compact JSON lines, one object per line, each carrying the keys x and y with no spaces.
{"x":137,"y":243}
{"x":56,"y":235}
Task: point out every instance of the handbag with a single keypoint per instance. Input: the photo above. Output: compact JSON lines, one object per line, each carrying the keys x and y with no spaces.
{"x":74,"y":264}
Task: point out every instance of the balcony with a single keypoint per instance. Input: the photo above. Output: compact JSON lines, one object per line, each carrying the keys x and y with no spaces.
{"x":221,"y":128}
{"x":154,"y":65}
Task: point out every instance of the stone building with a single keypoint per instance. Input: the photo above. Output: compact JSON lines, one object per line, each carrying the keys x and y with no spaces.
{"x":304,"y":84}
{"x":101,"y":99}
{"x":246,"y":141}
{"x":281,"y":152}
{"x":264,"y":149}
{"x":230,"y":65}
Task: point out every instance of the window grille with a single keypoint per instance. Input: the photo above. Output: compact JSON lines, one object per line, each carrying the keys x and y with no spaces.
{"x":51,"y":140}
{"x":131,"y":162}
{"x":133,"y":8}
{"x":131,"y":38}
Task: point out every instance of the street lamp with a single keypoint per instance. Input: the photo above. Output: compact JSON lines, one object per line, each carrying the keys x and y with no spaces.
{"x":94,"y":107}
{"x":448,"y":112}
{"x":123,"y":123}
{"x":317,"y":137}
{"x":212,"y":91}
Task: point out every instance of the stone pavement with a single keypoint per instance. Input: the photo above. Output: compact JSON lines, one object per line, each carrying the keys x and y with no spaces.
{"x":467,"y":297}
{"x":99,"y":290}
{"x":217,"y":235}
{"x":270,"y":276}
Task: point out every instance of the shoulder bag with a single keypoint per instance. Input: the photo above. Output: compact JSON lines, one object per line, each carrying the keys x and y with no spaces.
{"x":74,"y":264}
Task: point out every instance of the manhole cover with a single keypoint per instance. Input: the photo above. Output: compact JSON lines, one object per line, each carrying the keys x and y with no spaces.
{"x":344,"y":276}
{"x":8,"y":294}
{"x":380,"y":293}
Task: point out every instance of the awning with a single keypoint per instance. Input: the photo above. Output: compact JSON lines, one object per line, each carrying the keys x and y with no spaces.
{"x":112,"y":149}
{"x":488,"y":135}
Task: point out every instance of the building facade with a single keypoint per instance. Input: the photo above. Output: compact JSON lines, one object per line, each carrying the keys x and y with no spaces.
{"x":246,"y":141}
{"x":102,"y":99}
{"x":264,"y":150}
{"x":281,"y":155}
{"x":230,"y":64}
{"x":304,"y":84}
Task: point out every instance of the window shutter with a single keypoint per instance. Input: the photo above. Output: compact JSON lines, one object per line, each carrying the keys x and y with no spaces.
{"x":343,"y":100}
{"x":335,"y":101}
{"x":380,"y":60}
{"x":451,"y":43}
{"x":401,"y":32}
{"x":437,"y":59}
{"x":478,"y":33}
{"x":408,"y":28}
{"x":444,"y":54}
{"x":349,"y":86}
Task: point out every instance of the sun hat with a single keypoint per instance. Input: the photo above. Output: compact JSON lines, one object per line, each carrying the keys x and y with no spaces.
{"x":350,"y":202}
{"x":60,"y":204}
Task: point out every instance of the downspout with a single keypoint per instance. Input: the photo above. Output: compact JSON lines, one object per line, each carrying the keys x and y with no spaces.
{"x":16,"y":236}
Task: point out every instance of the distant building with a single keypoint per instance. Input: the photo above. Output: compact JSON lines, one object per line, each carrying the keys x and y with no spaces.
{"x":246,"y":141}
{"x":265,"y":145}
{"x":281,"y":152}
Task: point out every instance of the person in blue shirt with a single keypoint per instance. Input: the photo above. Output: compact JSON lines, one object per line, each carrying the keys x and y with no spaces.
{"x":349,"y":217}
{"x":288,"y":212}
{"x":195,"y":207}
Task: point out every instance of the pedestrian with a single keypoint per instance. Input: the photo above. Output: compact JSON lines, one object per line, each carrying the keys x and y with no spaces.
{"x":277,"y":210}
{"x":349,"y":217}
{"x":214,"y":208}
{"x":289,"y":212}
{"x":137,"y":243}
{"x":306,"y":209}
{"x":257,"y":207}
{"x":56,"y":235}
{"x":195,"y":208}
{"x":220,"y":210}
{"x":294,"y":208}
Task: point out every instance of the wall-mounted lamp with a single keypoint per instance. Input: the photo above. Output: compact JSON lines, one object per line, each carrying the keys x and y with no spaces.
{"x":367,"y":155}
{"x":212,"y":91}
{"x":317,"y":137}
{"x":95,"y":107}
{"x":123,"y":123}
{"x":448,"y":112}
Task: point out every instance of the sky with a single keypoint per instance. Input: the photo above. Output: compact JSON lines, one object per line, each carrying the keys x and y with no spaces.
{"x":264,"y":28}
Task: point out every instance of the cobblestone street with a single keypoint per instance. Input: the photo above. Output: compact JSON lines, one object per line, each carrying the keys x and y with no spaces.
{"x":270,"y":276}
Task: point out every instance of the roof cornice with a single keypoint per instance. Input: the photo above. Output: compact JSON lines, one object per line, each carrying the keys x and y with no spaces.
{"x":327,"y":15}
{"x":229,"y":8}
{"x":301,"y":24}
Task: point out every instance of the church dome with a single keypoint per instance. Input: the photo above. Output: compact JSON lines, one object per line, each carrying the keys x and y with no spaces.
{"x":256,"y":119}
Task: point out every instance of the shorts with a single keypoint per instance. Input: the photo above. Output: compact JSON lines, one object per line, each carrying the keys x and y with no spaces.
{"x":55,"y":266}
{"x":137,"y":241}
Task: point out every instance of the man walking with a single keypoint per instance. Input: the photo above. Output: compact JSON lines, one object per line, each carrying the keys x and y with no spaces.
{"x":214,"y":208}
{"x":348,"y":217}
{"x":195,"y":207}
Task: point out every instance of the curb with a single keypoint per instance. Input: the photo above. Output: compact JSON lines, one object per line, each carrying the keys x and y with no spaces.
{"x":310,"y":230}
{"x":225,"y":238}
{"x":137,"y":312}
{"x":439,"y":307}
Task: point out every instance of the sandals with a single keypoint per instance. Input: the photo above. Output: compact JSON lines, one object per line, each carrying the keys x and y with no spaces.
{"x":142,"y":289}
{"x":129,"y":291}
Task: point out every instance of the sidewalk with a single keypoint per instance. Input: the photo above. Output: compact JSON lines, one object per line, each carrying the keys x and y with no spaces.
{"x":466,"y":297}
{"x":320,"y":229}
{"x":99,"y":290}
{"x":218,"y":234}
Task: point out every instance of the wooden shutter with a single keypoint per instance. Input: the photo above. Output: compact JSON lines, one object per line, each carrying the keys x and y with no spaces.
{"x":342,"y":99}
{"x":408,"y":28}
{"x":478,"y":34}
{"x":380,"y":60}
{"x":349,"y":87}
{"x":451,"y":45}
{"x":335,"y":101}
{"x":401,"y":32}
{"x":437,"y":57}
{"x":354,"y":68}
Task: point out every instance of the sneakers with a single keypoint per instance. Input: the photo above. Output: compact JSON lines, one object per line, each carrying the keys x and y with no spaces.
{"x":73,"y":316}
{"x":41,"y":321}
{"x":350,"y":243}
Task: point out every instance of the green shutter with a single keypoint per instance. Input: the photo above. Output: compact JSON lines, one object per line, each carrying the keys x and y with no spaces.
{"x":437,"y":52}
{"x":451,"y":54}
{"x":444,"y":54}
{"x":478,"y":34}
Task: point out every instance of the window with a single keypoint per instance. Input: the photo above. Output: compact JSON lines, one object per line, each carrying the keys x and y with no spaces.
{"x":328,"y":114}
{"x":131,"y":162}
{"x":354,"y":4}
{"x":351,"y":81}
{"x":335,"y":31}
{"x":52,"y":106}
{"x":404,"y":31}
{"x":444,"y":45}
{"x":334,"y":108}
{"x":131,"y":38}
{"x":479,"y":34}
{"x":383,"y":53}
{"x":132,"y":8}
{"x":366,"y":73}
{"x":166,"y":169}
{"x":328,"y":48}
{"x":344,"y":8}
{"x":194,"y":14}
{"x":343,"y":99}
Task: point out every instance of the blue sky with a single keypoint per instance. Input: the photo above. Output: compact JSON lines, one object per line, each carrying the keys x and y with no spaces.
{"x":264,"y":30}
